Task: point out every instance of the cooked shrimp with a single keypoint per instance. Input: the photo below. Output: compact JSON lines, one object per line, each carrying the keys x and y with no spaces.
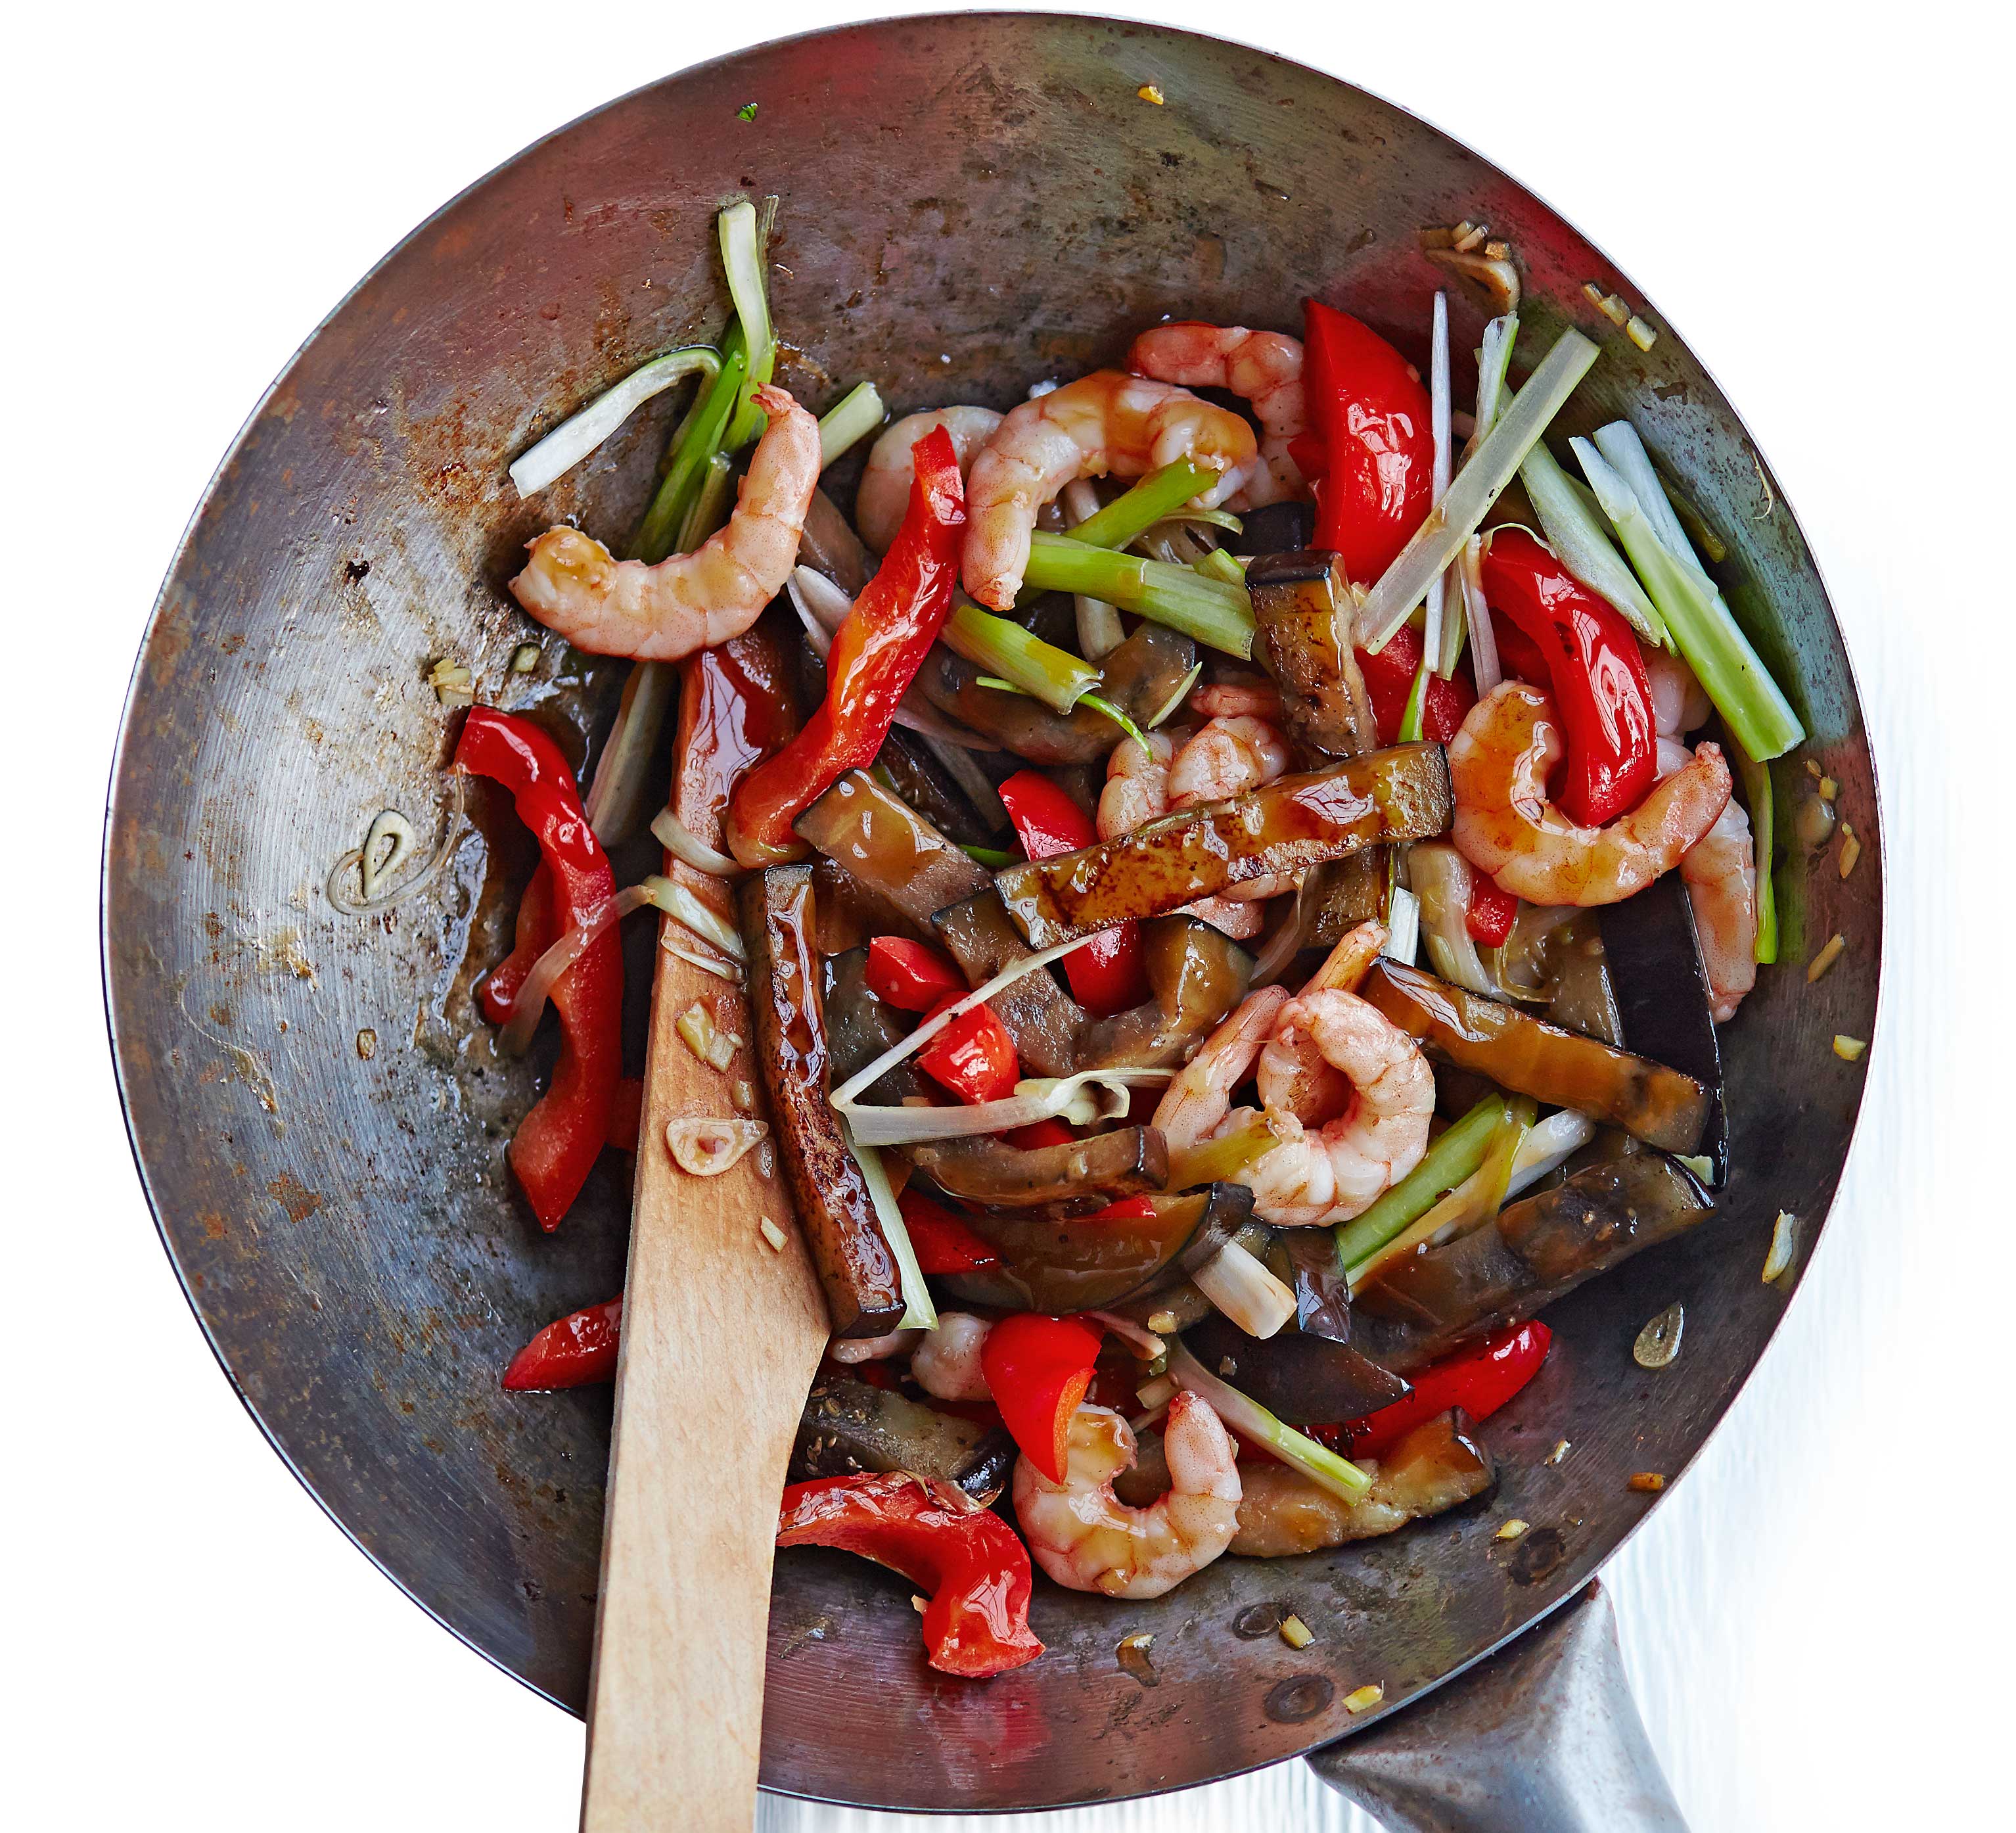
{"x":851,"y":1349}
{"x":1679,"y":703}
{"x":884,"y":493}
{"x":946,"y":1364}
{"x":1720,"y":872}
{"x":1196,"y":1106}
{"x":1088,"y":1540}
{"x":1506,"y":826}
{"x":1332,"y":1172}
{"x":1227,"y":757}
{"x":1102,"y":422}
{"x":1229,"y":699}
{"x":1263,"y":367}
{"x":574,"y":585}
{"x":1138,"y":790}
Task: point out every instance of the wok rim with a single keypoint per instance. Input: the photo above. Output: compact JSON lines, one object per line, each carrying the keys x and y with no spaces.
{"x":1872,"y":844}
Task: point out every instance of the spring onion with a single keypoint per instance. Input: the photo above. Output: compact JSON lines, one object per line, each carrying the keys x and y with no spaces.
{"x":1548,"y":1146}
{"x":1474,"y":1202}
{"x":1484,"y":664}
{"x":1005,"y":649}
{"x":1757,"y":793}
{"x":745,"y":239}
{"x":1494,"y":362}
{"x":1247,"y":1417}
{"x":1091,"y":1098}
{"x":1100,"y":632}
{"x":992,"y":858}
{"x":1583,"y":545}
{"x":1243,"y":1289}
{"x":1129,"y":516}
{"x":574,"y":439}
{"x":918,"y":1312}
{"x":1476,"y":488}
{"x":698,"y":440}
{"x":709,"y":925}
{"x":1442,"y":882}
{"x":335,"y":889}
{"x":1619,"y":443}
{"x":537,"y":985}
{"x":1447,"y":1163}
{"x":679,"y":840}
{"x":856,"y":414}
{"x":1216,"y":564}
{"x":1702,"y":626}
{"x":1403,"y":925}
{"x":1217,"y":614}
{"x":1439,"y":405}
{"x":1223,"y":1158}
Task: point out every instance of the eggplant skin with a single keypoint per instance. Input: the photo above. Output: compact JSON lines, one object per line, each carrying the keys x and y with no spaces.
{"x":1424,"y":1306}
{"x":1297,"y":821}
{"x":1529,"y":1057}
{"x":1438,"y":1466}
{"x":848,"y":1426}
{"x":1300,"y":1378}
{"x":850,"y":1252}
{"x":1076,"y":1178}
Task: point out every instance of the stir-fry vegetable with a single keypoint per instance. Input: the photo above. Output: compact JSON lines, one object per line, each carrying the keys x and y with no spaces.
{"x":1479,"y":1381}
{"x":1037,"y":1369}
{"x":576,"y":1351}
{"x":850,"y":1425}
{"x":557,"y":1143}
{"x":1247,"y":1417}
{"x":943,"y":1241}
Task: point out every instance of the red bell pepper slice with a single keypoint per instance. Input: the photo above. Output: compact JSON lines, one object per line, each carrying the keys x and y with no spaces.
{"x":1126,"y":1209}
{"x":1378,"y":465}
{"x":1491,"y":912}
{"x":1106,"y":975}
{"x":912,"y":976}
{"x":1037,"y":1369}
{"x":557,"y":1143}
{"x":974,"y":1056}
{"x":942,"y":1241}
{"x":1600,"y":688}
{"x":876,"y":653}
{"x":575,"y":1352}
{"x":1479,"y":1381}
{"x":938,"y":1537}
{"x":532,"y":935}
{"x":1389,"y":680}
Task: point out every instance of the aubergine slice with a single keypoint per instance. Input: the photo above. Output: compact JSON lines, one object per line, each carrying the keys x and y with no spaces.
{"x":1438,"y":1466}
{"x":1297,"y":1376}
{"x":1059,"y":1266}
{"x":1043,"y":1018}
{"x":1419,"y":1308}
{"x":928,"y":787}
{"x":1196,"y":974}
{"x":1274,"y":527}
{"x":1527,"y":1056}
{"x":829,"y":545}
{"x":859,"y":1028}
{"x":851,"y":913}
{"x":885,"y":843}
{"x":1297,"y":821}
{"x":1654,"y":955}
{"x":1075,"y":1178}
{"x":850,"y":1252}
{"x":849,"y":1427}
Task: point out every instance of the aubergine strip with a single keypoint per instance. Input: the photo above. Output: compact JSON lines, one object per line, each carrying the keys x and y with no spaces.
{"x":1421,"y":1307}
{"x":885,"y":843}
{"x":1527,"y":1056}
{"x":1654,"y":955}
{"x":848,"y":1426}
{"x":829,"y":545}
{"x":1196,"y":973}
{"x":859,"y":1028}
{"x":1059,"y":1265}
{"x":1301,"y":1378}
{"x":1438,"y":1466}
{"x":1045,"y":1020}
{"x":1299,"y":821}
{"x":1074,"y":1179}
{"x":1304,"y":608}
{"x":863,"y":1286}
{"x":851,"y":913}
{"x":925,"y":784}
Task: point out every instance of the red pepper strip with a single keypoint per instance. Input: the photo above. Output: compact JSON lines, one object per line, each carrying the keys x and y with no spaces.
{"x":941,"y":1241}
{"x":1479,"y":1381}
{"x":1601,"y":690}
{"x":1389,"y":678}
{"x":1379,"y":452}
{"x":557,"y":1143}
{"x":578,"y":1350}
{"x":626,"y":1113}
{"x":974,"y":1056}
{"x":876,"y":653}
{"x":1127,"y":1209}
{"x":530,"y":938}
{"x":1491,"y":912}
{"x":912,"y":977}
{"x":976,"y":1622}
{"x":1311,"y":456}
{"x":1037,"y":1369}
{"x":1519,"y":657}
{"x":1106,"y":975}
{"x":1040,"y":1134}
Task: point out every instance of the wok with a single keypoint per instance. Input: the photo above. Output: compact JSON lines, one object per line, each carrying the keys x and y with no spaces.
{"x":969,"y":203}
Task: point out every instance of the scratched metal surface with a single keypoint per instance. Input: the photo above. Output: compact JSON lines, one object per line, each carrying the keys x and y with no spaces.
{"x":343,"y":1223}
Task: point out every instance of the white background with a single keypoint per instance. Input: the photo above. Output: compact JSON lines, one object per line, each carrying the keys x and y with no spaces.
{"x":1812,"y":1619}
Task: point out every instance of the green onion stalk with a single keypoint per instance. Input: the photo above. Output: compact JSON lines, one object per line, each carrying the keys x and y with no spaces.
{"x":849,"y":421}
{"x":1154,"y":499}
{"x":1452,"y":1160}
{"x":1477,"y":1199}
{"x":1215,"y":613}
{"x":1016,"y":655}
{"x":1247,"y":1417}
{"x":745,"y":241}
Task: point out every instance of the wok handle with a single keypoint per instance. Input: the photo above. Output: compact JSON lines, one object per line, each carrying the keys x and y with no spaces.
{"x":1543,"y":1737}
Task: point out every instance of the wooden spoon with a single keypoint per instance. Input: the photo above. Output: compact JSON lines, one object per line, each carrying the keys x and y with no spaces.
{"x":722,"y":1333}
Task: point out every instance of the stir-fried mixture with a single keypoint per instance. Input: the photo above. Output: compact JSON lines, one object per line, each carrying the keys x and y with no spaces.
{"x":1231,"y":894}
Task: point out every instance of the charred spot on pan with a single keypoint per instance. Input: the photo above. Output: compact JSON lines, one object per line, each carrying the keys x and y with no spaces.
{"x":355,"y":571}
{"x":1538,"y":1555}
{"x":1290,"y":1702}
{"x":1256,"y":1620}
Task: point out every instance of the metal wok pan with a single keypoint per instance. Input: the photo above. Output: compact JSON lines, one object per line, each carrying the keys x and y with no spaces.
{"x":969,"y":203}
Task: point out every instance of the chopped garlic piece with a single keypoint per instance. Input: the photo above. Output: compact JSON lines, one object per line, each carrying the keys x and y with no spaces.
{"x":524,"y":658}
{"x":1151,"y":92}
{"x":1140,"y":1639}
{"x":1847,"y":1049}
{"x":1784,"y":1234}
{"x":1648,"y":1482}
{"x":1639,"y":333}
{"x":1851,"y":850}
{"x":1163,"y":1322}
{"x":1829,"y":789}
{"x":1829,"y":954}
{"x":1593,"y":293}
{"x":772,"y":1234}
{"x":1616,"y":311}
{"x":707,"y":1147}
{"x":1700,"y":1163}
{"x":1296,"y":1633}
{"x":1560,"y":1451}
{"x":1363,"y":1698}
{"x":1512,"y":1529}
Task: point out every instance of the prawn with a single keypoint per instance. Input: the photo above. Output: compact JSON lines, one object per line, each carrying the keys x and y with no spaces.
{"x":1263,"y":367}
{"x":573,"y":585}
{"x":1505,"y":827}
{"x":1225,"y":698}
{"x":1720,"y":872}
{"x":852,"y":1349}
{"x":1196,"y":1105}
{"x":1104,"y":423}
{"x":1331,"y":1172}
{"x":1087,"y":1539}
{"x":884,"y":493}
{"x":946,"y":1364}
{"x":1679,"y":703}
